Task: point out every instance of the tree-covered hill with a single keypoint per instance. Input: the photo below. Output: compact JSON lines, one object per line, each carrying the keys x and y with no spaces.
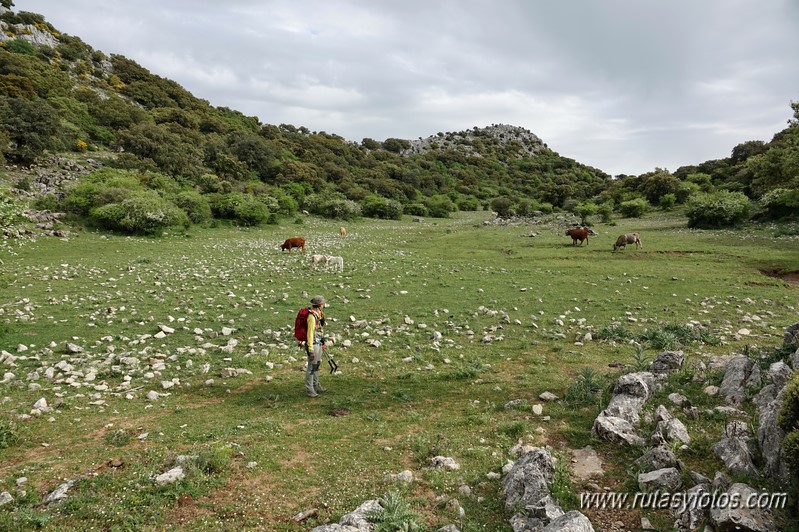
{"x":197,"y":161}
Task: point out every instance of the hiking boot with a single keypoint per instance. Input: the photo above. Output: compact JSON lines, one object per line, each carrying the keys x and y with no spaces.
{"x":320,"y":389}
{"x":312,"y":395}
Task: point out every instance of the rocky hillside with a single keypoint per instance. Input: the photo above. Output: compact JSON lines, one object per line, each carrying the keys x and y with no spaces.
{"x":477,"y":141}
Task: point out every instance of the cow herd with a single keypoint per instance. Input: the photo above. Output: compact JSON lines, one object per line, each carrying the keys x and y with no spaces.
{"x":580,"y":234}
{"x":317,"y":261}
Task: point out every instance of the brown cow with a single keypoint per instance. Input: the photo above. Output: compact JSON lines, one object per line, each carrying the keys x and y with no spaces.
{"x":578,"y":233}
{"x":297,"y":242}
{"x":342,"y":231}
{"x":629,"y":238}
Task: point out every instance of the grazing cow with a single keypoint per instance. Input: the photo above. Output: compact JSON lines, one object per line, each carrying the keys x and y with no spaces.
{"x":629,"y":238}
{"x":336,"y":262}
{"x":578,"y":233}
{"x":318,"y":259}
{"x":342,"y":231}
{"x":297,"y":242}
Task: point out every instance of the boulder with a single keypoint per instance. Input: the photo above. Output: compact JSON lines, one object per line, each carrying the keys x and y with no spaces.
{"x":667,"y":361}
{"x":357,"y":518}
{"x":616,"y":429}
{"x":741,"y":517}
{"x":691,"y":514}
{"x":770,"y":437}
{"x":739,"y":373}
{"x":529,"y":479}
{"x":791,"y":336}
{"x":735,"y":448}
{"x":667,"y":479}
{"x":573,"y":521}
{"x":660,"y":457}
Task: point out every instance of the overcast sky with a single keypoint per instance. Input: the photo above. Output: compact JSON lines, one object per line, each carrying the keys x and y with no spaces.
{"x":622,"y":85}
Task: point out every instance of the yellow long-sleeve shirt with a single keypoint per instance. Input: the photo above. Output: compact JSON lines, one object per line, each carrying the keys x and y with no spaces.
{"x":312,"y":321}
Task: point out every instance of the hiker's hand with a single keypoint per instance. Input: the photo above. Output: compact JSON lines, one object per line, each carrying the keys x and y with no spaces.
{"x":322,"y":322}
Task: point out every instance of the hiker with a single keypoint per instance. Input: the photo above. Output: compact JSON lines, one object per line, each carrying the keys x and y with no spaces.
{"x":313,"y":346}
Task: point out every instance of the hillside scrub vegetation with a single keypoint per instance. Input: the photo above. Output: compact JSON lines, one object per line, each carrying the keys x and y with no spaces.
{"x":71,"y":97}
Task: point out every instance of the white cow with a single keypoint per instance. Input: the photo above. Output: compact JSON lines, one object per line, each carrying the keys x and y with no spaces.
{"x":317,"y":260}
{"x":336,"y":262}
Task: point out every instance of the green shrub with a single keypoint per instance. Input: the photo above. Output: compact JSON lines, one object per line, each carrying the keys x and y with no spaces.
{"x":11,"y":211}
{"x":605,"y":212}
{"x":195,"y":205}
{"x":415,"y":209}
{"x":20,"y":46}
{"x":585,"y":210}
{"x":719,"y":209}
{"x":379,"y":207}
{"x":47,"y":202}
{"x":502,"y":206}
{"x":250,"y":211}
{"x":468,"y":203}
{"x":790,"y":451}
{"x":585,"y":388}
{"x":333,"y":206}
{"x":780,"y":203}
{"x":788,"y":416}
{"x":439,"y":206}
{"x":143,"y":212}
{"x":214,"y":460}
{"x":667,"y":201}
{"x":634,"y":208}
{"x":9,"y":434}
{"x":394,"y":515}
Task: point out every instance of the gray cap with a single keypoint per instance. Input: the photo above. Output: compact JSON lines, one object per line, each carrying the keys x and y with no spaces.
{"x":317,"y":300}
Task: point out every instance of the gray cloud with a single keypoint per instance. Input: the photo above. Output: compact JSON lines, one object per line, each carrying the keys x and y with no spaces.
{"x":622,"y":85}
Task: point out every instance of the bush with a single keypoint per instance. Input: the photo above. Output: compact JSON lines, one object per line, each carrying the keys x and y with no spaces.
{"x":502,"y":206}
{"x":605,"y":212}
{"x":333,"y":206}
{"x":415,"y":209}
{"x":143,"y":212}
{"x":788,"y":421}
{"x":634,"y":208}
{"x":584,"y":210}
{"x":440,"y":206}
{"x":11,"y":212}
{"x":196,"y":206}
{"x":250,"y":211}
{"x":780,"y":203}
{"x":719,"y":209}
{"x":468,"y":203}
{"x":667,"y":201}
{"x":379,"y":207}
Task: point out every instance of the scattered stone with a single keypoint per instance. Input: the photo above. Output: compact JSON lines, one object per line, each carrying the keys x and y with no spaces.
{"x":586,"y":463}
{"x":548,"y":396}
{"x":538,"y":410}
{"x":445,"y":462}
{"x":405,"y":477}
{"x":667,"y":361}
{"x":171,"y":476}
{"x":667,"y":479}
{"x":5,"y":498}
{"x":573,"y":521}
{"x":58,"y":494}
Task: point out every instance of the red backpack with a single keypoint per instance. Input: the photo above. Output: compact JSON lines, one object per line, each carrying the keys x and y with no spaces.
{"x":301,"y":325}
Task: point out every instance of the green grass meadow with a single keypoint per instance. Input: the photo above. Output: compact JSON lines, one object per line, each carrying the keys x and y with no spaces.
{"x":468,"y":317}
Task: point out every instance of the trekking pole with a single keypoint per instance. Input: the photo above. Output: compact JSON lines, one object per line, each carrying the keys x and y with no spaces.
{"x":330,"y":361}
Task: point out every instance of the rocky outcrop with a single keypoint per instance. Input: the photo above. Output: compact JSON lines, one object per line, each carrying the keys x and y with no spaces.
{"x":742,"y":517}
{"x":526,"y":489}
{"x":736,"y":449}
{"x":618,"y":421}
{"x":740,"y":373}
